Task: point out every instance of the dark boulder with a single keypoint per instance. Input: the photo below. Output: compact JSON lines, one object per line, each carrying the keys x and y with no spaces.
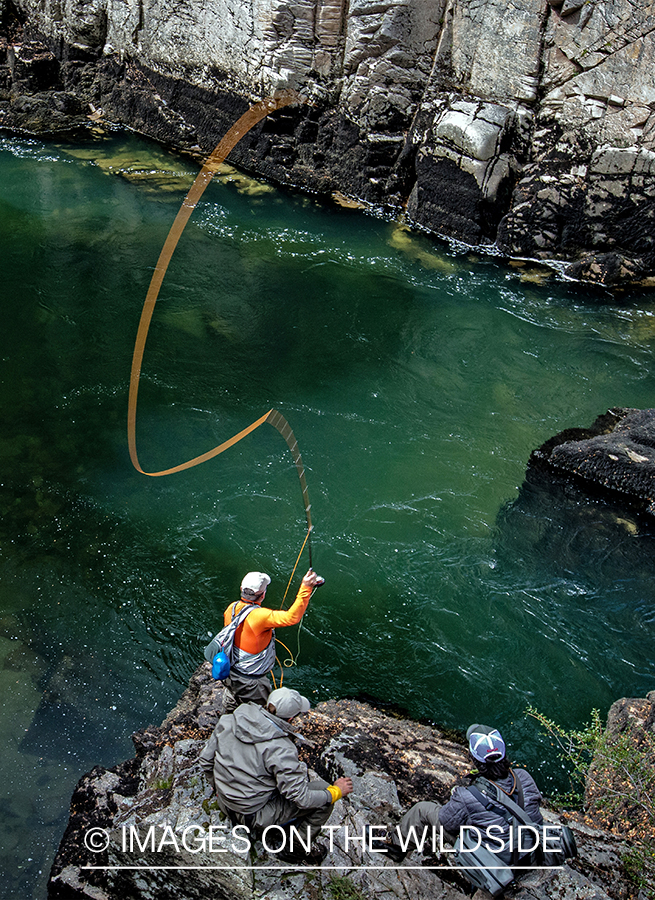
{"x":615,"y":457}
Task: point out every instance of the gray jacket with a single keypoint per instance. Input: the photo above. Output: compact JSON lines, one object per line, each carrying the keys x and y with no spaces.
{"x":249,"y":758}
{"x":464,"y":809}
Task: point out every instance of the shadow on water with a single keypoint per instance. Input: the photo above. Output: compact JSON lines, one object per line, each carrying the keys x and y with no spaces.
{"x":581,"y":569}
{"x":80,"y":667}
{"x":55,"y":728}
{"x":563,"y":531}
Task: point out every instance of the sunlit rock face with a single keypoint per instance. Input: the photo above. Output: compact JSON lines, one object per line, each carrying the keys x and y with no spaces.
{"x":529,"y":126}
{"x":150,"y":814}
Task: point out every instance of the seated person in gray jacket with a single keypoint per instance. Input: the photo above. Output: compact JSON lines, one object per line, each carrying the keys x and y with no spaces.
{"x":252,"y":763}
{"x":487,"y":749}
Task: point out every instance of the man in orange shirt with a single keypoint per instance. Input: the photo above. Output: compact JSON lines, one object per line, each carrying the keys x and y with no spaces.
{"x":253,"y":655}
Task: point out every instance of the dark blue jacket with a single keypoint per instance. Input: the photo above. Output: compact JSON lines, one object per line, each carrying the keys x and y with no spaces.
{"x":464,"y":808}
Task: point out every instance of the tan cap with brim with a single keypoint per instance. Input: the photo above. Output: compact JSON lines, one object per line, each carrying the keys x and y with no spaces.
{"x":288,"y":703}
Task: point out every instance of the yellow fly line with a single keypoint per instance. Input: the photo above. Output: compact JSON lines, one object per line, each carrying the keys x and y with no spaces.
{"x":250,"y":118}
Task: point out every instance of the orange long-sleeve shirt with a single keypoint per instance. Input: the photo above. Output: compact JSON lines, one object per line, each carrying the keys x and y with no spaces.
{"x":254,"y":634}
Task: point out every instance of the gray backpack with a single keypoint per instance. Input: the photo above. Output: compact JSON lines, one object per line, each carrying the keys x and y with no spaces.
{"x":485,"y":869}
{"x":219,"y":650}
{"x":481,"y":867}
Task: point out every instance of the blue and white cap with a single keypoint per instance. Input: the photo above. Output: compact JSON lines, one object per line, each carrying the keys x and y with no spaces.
{"x":485,"y":744}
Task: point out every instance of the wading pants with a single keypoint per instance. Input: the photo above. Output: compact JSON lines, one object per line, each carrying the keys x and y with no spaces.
{"x":279,"y":811}
{"x":418,"y":817}
{"x":245,"y":689}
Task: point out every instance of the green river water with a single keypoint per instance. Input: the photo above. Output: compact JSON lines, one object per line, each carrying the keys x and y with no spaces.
{"x":417,"y":377}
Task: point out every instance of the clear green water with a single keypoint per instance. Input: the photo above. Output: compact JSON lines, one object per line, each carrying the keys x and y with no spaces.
{"x":417,"y":379}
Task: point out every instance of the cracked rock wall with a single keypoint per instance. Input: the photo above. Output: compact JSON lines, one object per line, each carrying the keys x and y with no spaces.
{"x":529,"y":125}
{"x":588,"y":190}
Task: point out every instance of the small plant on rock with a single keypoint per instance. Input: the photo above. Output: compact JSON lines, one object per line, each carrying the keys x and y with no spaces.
{"x":342,"y":888}
{"x":612,"y":779}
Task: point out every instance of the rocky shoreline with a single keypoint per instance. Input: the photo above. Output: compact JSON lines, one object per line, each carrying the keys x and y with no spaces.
{"x":530,"y":132}
{"x":393,"y":762}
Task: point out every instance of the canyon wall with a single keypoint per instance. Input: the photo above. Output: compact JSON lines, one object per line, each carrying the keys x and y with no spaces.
{"x":526,"y":126}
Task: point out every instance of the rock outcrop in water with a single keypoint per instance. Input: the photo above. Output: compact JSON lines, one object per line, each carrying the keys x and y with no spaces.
{"x":528,"y":126}
{"x":393,"y":762}
{"x":586,"y":504}
{"x":615,"y":457}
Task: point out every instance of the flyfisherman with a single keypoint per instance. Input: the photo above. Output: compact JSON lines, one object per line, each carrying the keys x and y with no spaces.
{"x":467,"y":804}
{"x":252,"y":763}
{"x":253,"y":655}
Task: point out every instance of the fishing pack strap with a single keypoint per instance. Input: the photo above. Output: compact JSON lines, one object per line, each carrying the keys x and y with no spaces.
{"x":489,"y":793}
{"x":567,"y":846}
{"x":224,"y":640}
{"x":284,"y":726}
{"x":499,"y":793}
{"x":493,"y":792}
{"x":499,"y":808}
{"x":234,"y":623}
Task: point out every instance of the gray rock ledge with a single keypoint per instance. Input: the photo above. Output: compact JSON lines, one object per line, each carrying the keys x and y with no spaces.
{"x":392,"y":761}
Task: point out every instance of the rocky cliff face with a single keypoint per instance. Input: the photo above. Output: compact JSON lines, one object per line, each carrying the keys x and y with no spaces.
{"x":135,"y":817}
{"x":528,"y":125}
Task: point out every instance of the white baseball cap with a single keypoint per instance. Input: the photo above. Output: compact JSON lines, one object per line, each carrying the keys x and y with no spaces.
{"x":485,"y":743}
{"x":254,"y":583}
{"x":288,"y":703}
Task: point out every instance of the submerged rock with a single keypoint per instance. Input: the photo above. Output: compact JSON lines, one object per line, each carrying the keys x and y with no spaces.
{"x":586,"y":504}
{"x":130,"y":822}
{"x":529,"y":127}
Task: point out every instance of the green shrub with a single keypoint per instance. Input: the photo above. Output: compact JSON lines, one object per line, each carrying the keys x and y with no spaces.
{"x":612,"y":778}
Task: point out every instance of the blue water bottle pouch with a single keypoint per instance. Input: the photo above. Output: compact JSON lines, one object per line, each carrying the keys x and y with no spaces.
{"x":220,"y":666}
{"x":219,"y":650}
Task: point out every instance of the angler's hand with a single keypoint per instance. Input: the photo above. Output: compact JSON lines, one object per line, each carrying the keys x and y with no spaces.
{"x":345,"y":785}
{"x":312,"y":579}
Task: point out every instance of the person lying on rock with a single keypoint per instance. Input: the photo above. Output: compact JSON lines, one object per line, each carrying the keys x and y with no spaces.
{"x":253,"y":655}
{"x":487,"y":751}
{"x":252,"y":763}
